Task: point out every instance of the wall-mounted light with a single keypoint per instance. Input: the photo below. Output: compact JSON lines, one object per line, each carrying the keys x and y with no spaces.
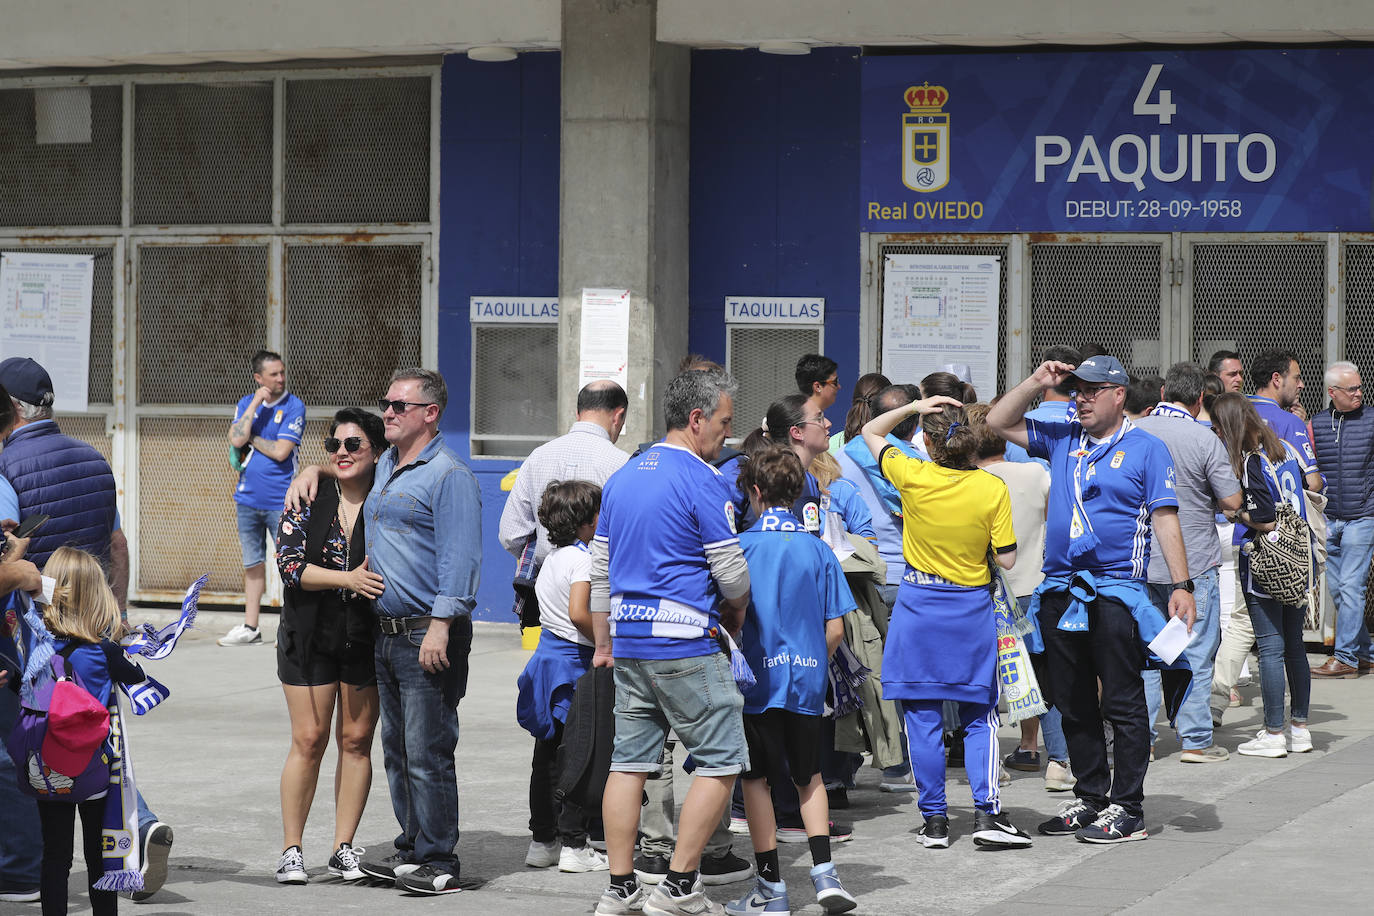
{"x":492,"y":54}
{"x":784,"y":47}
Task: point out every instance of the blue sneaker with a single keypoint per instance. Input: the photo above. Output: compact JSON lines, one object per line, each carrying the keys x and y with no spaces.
{"x":764,"y":897}
{"x":830,"y":893}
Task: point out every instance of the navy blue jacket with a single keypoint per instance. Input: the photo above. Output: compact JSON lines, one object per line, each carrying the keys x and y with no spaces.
{"x":66,"y":479}
{"x":1345,"y":454}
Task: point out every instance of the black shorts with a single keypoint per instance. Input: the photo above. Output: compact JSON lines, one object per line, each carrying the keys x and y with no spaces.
{"x":783,"y":743}
{"x":334,"y":656}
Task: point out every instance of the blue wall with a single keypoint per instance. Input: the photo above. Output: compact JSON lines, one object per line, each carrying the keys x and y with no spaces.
{"x":498,"y":212}
{"x":775,"y":192}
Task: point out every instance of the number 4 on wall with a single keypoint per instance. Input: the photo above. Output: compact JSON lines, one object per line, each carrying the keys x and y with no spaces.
{"x":1164,"y":108}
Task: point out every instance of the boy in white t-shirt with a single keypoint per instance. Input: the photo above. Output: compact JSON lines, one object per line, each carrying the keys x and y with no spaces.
{"x":568,"y":510}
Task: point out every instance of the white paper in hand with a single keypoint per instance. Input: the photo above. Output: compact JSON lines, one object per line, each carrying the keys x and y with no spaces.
{"x":1172,"y":640}
{"x":45,"y":595}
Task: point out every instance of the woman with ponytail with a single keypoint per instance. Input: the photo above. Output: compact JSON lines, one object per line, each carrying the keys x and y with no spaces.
{"x":860,"y":409}
{"x":942,"y":639}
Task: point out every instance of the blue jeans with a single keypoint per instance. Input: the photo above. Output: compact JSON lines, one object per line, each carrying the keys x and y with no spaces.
{"x":1349,"y":548}
{"x":1278,"y":630}
{"x":1194,"y":720}
{"x":21,"y":840}
{"x":255,"y":527}
{"x":419,"y":713}
{"x":1052,"y":730}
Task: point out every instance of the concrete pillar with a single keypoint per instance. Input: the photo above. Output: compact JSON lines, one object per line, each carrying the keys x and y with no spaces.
{"x":623,"y":188}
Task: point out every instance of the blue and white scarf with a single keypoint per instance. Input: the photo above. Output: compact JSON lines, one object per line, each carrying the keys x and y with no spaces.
{"x":1165,"y":409}
{"x":1082,"y":539}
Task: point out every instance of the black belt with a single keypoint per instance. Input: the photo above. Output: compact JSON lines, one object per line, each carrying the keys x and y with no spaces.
{"x":395,"y":626}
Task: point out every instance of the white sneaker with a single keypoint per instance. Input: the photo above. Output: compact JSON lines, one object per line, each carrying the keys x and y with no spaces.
{"x":904,"y":783}
{"x":241,"y":635}
{"x":1265,"y":744}
{"x":584,"y":859}
{"x":291,"y":867}
{"x":542,"y":855}
{"x":1299,"y":738}
{"x":1059,"y":777}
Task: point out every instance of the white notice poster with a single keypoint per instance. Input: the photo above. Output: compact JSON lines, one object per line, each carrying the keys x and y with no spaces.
{"x":45,"y":314}
{"x":937,"y":310}
{"x":605,"y":336}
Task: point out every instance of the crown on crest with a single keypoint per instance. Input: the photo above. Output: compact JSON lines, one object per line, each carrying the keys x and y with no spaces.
{"x":926,"y":97}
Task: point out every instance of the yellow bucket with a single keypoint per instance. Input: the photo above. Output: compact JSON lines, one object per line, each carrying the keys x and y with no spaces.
{"x":529,"y":638}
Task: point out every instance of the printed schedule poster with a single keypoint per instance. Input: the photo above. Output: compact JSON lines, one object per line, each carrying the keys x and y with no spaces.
{"x":45,"y":314}
{"x":605,"y":351}
{"x":937,"y":310}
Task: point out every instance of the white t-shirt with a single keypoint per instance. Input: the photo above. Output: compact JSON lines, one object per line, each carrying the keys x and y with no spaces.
{"x":1029,"y":486}
{"x":562,"y":567}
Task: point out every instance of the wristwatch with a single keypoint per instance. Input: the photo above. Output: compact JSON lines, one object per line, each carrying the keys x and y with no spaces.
{"x":1186,"y":585}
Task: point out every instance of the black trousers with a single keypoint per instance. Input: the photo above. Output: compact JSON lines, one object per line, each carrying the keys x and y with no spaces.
{"x":550,"y":818}
{"x":58,"y":823}
{"x":1110,"y":651}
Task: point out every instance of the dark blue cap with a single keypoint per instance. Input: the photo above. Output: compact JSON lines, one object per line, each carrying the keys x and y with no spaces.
{"x":26,"y":381}
{"x":1101,"y":369}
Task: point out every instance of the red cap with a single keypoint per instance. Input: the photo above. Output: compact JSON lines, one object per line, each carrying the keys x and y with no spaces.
{"x":77,"y":724}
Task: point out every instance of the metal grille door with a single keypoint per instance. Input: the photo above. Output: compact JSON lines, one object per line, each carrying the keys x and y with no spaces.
{"x":1359,"y":308}
{"x":514,"y":386}
{"x":1110,"y":292}
{"x":763,"y":361}
{"x":1257,"y":295}
{"x":60,"y":184}
{"x":202,"y":154}
{"x":352,"y":318}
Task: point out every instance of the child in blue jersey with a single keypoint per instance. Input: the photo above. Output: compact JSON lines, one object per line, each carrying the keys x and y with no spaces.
{"x":1271,"y":474}
{"x":568,"y":511}
{"x":792,"y":627}
{"x":84,"y":612}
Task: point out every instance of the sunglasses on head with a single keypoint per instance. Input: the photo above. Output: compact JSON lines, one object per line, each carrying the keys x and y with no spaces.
{"x":351,"y":444}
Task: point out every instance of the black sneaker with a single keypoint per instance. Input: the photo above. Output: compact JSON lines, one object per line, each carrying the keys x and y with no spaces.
{"x":840,"y":833}
{"x":1023,"y":760}
{"x":1114,"y":825}
{"x":430,"y":879}
{"x":345,"y":862}
{"x":838,"y":798}
{"x":390,"y":869}
{"x":997,"y":830}
{"x":934,"y":833}
{"x":1071,"y":817}
{"x":725,"y":868}
{"x":651,"y":869}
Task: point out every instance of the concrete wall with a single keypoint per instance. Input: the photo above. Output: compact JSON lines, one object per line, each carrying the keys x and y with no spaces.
{"x":498,"y":210}
{"x":775,"y":191}
{"x":979,"y":22}
{"x":140,"y":31}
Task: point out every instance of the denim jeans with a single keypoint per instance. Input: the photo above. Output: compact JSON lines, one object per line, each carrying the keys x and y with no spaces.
{"x":419,"y":713}
{"x":255,"y":527}
{"x":1194,"y":720}
{"x":21,"y":840}
{"x":1278,"y":630}
{"x":1349,"y":548}
{"x":1052,"y":731}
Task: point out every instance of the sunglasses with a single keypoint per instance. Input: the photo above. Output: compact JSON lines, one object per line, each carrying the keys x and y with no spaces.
{"x":351,"y":444}
{"x":399,"y":407}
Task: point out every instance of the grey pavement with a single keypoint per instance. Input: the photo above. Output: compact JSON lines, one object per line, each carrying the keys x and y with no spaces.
{"x":1245,"y":836}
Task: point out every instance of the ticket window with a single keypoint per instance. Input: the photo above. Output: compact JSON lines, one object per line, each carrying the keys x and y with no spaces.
{"x":764,"y":338}
{"x":514,"y":375}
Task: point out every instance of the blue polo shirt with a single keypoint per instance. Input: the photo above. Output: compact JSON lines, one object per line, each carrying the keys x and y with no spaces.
{"x":1289,"y":428}
{"x":660,"y":516}
{"x":1121,"y":484}
{"x":263,"y":482}
{"x":1048,"y":410}
{"x":796,"y":585}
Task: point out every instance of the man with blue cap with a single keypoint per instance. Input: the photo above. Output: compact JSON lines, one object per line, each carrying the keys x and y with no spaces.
{"x":1111,"y":483}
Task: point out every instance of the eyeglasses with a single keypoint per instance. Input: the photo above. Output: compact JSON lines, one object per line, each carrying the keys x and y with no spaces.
{"x":819,"y":421}
{"x":835,"y":382}
{"x":399,"y":407}
{"x":1348,"y":389}
{"x":1089,"y":394}
{"x":351,"y":444}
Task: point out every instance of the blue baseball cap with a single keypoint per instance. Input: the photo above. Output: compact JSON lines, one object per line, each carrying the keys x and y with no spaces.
{"x":1102,"y":369}
{"x":26,"y":381}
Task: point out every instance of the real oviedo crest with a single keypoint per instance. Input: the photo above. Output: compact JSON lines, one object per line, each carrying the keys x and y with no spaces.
{"x":925,"y":138}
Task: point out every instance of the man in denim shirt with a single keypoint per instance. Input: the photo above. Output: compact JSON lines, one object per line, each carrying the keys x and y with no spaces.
{"x":425,"y":617}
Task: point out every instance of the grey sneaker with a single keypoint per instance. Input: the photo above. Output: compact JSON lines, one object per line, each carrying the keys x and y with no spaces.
{"x":1213,"y":754}
{"x":157,"y":847}
{"x":612,"y":904}
{"x":663,"y":903}
{"x":543,"y":855}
